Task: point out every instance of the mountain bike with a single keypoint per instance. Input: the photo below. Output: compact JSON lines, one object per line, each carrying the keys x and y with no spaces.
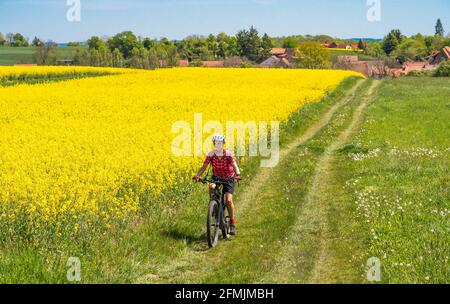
{"x":217,"y":218}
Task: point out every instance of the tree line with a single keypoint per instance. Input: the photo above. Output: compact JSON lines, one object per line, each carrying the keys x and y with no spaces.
{"x":125,"y":49}
{"x":418,"y":47}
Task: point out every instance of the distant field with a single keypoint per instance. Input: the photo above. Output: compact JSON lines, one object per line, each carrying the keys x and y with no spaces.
{"x":25,"y":55}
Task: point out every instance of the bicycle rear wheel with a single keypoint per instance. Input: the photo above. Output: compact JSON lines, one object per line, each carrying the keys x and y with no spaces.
{"x":212,"y":224}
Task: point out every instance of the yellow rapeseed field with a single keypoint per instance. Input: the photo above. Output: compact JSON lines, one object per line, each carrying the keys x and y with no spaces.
{"x":93,"y":148}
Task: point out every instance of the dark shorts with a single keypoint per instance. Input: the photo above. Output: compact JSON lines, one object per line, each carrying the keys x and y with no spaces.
{"x":228,"y":185}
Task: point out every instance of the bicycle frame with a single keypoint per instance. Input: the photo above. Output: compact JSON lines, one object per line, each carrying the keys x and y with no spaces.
{"x":218,"y":196}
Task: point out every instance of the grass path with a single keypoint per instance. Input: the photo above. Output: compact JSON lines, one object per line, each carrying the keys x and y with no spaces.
{"x":248,"y":197}
{"x":196,"y":263}
{"x":326,"y":267}
{"x":312,"y":237}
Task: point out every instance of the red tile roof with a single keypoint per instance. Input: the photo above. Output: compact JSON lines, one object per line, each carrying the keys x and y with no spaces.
{"x":446,"y":51}
{"x":330,"y":44}
{"x":434,"y":54}
{"x":278,"y":51}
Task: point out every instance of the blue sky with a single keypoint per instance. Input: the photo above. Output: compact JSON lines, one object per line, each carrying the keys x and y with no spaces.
{"x":176,"y":19}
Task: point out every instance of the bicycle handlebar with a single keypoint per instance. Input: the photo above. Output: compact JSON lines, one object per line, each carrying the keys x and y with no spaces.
{"x":212,"y":181}
{"x":205,"y":180}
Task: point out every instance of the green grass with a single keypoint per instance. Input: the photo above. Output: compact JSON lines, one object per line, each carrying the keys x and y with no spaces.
{"x":397,"y":182}
{"x":25,"y":55}
{"x":29,"y":78}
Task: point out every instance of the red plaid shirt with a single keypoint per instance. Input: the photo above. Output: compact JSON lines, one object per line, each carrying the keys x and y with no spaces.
{"x":223,"y":167}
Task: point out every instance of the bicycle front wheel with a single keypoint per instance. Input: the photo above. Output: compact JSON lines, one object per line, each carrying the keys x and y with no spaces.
{"x":212,"y":224}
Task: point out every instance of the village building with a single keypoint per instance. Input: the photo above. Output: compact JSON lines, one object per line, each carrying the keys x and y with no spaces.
{"x":439,"y":56}
{"x":65,"y":62}
{"x":275,"y":62}
{"x":279,"y":58}
{"x":183,"y":63}
{"x":330,"y":45}
{"x":213,"y":64}
{"x":379,"y":69}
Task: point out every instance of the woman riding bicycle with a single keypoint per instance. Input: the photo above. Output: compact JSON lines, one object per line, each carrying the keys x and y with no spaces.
{"x":225,"y":169}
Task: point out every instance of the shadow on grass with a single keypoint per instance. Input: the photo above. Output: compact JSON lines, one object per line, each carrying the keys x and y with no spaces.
{"x":195,"y":241}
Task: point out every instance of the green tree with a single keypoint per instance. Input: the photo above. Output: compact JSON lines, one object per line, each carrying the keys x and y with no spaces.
{"x":165,"y":42}
{"x":390,"y":43}
{"x":266,"y":47}
{"x":117,"y":59}
{"x":73,"y":43}
{"x":398,"y":34}
{"x":173,"y":59}
{"x":312,"y":55}
{"x":361,"y":45}
{"x":410,"y":49}
{"x":443,"y":70}
{"x":81,"y":56}
{"x":10,"y":38}
{"x":222,"y":40}
{"x":134,"y":60}
{"x":196,"y":48}
{"x":95,"y":43}
{"x":162,"y":56}
{"x":149,"y":43}
{"x":125,"y":42}
{"x":153,"y":61}
{"x":439,"y":28}
{"x":37,"y":41}
{"x":94,"y":56}
{"x":249,"y":44}
{"x":232,"y":48}
{"x":374,"y":49}
{"x":106,"y":59}
{"x":290,"y":42}
{"x":45,"y":55}
{"x":2,"y":40}
{"x":144,"y":58}
{"x":18,"y":40}
{"x":213,"y":46}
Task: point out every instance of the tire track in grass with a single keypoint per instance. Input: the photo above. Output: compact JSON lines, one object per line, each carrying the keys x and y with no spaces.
{"x":313,"y":218}
{"x":195,"y":265}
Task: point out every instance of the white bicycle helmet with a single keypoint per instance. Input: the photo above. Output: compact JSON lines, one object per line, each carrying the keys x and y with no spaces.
{"x":218,"y":138}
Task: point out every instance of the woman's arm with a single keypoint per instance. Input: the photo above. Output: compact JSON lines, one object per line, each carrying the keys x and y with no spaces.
{"x":236,"y":168}
{"x":202,"y":170}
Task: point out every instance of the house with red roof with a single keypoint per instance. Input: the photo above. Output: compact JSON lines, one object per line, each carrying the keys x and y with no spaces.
{"x":279,"y":58}
{"x":330,"y":45}
{"x":438,"y":56}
